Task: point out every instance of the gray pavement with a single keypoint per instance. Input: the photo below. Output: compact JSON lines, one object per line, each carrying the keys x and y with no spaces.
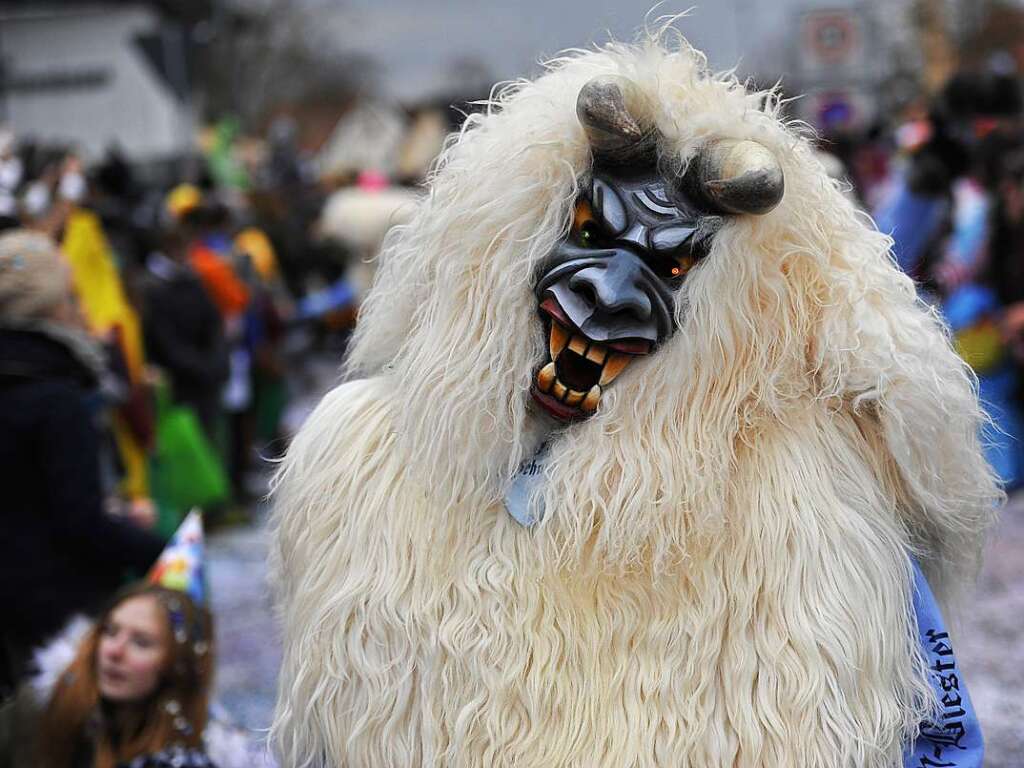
{"x":248,"y":641}
{"x":990,"y":642}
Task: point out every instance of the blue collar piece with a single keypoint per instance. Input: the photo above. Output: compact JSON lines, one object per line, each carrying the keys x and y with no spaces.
{"x":529,"y":476}
{"x":955,"y":740}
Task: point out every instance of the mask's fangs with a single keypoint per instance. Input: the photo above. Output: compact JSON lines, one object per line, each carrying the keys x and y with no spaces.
{"x":612,"y":364}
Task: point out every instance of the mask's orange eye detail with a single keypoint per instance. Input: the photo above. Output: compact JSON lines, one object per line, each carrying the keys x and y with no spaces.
{"x":676,"y":265}
{"x":581,"y":214}
{"x":683,"y":265}
{"x":584,"y":226}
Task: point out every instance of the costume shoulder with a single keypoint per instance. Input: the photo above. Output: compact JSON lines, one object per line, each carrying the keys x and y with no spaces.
{"x":322,"y":473}
{"x":347,"y":426}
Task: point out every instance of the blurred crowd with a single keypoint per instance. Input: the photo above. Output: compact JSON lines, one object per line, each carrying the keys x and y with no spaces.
{"x":154,"y":327}
{"x":946,"y":180}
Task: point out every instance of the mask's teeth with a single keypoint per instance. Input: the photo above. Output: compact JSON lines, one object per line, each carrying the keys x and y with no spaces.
{"x":546,"y":377}
{"x":559,"y":338}
{"x":596,"y":354}
{"x":593,"y":397}
{"x":559,"y":390}
{"x":574,"y":397}
{"x":578,"y":345}
{"x":616,"y":364}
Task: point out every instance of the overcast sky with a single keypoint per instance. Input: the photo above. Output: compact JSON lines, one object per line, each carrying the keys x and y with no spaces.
{"x":417,"y":42}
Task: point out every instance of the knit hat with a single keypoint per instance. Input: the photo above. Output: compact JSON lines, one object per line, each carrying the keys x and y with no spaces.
{"x":34,"y":278}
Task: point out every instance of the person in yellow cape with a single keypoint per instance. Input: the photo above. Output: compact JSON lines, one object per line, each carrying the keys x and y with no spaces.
{"x":107,"y":311}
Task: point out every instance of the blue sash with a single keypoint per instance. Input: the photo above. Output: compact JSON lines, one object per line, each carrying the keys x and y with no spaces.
{"x":955,"y":740}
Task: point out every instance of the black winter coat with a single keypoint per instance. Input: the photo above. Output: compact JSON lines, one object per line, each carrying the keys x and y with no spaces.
{"x":60,"y":552}
{"x":185,"y":335}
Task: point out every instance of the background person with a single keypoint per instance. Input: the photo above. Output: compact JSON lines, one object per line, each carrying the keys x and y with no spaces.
{"x":184,"y":330}
{"x":136,"y":692}
{"x":60,"y":552}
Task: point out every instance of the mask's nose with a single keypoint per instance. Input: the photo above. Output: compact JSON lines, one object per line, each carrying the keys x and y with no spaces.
{"x":612,"y":295}
{"x":615,"y":287}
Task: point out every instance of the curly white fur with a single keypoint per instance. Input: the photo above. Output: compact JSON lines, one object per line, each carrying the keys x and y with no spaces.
{"x":721,"y":577}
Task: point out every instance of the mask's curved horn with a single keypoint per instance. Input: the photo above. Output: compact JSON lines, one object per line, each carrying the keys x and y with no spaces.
{"x":615,"y":115}
{"x":736,"y":177}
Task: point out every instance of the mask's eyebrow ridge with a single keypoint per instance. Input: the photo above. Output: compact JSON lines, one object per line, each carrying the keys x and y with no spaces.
{"x":671,"y":237}
{"x":608,"y":207}
{"x":654,"y":200}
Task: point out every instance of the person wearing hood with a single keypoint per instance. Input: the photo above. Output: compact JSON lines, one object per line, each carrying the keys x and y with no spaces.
{"x":60,"y":552}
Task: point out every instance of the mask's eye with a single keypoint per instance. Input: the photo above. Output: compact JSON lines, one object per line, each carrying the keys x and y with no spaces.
{"x":675,"y":265}
{"x":585,"y":229}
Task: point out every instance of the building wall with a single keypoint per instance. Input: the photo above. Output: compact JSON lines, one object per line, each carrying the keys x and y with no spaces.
{"x":75,"y":75}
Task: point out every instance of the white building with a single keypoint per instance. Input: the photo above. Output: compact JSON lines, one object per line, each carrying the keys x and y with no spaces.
{"x":91,"y":75}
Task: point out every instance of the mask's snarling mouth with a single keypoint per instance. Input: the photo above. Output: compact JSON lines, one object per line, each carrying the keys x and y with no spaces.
{"x":569,"y":386}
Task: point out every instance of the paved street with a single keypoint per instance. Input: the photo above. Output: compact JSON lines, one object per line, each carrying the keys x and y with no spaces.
{"x":248,"y":645}
{"x":990,"y":643}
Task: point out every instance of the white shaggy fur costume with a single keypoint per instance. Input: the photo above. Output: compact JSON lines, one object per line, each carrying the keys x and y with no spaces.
{"x":722,"y":573}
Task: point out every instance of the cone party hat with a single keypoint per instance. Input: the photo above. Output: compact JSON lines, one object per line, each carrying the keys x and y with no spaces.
{"x":181,"y":564}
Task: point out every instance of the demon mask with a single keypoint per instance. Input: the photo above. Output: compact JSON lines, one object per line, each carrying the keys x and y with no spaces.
{"x":607,"y":291}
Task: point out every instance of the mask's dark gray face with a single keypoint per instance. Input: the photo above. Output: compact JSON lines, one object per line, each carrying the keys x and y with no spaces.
{"x":607,"y":291}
